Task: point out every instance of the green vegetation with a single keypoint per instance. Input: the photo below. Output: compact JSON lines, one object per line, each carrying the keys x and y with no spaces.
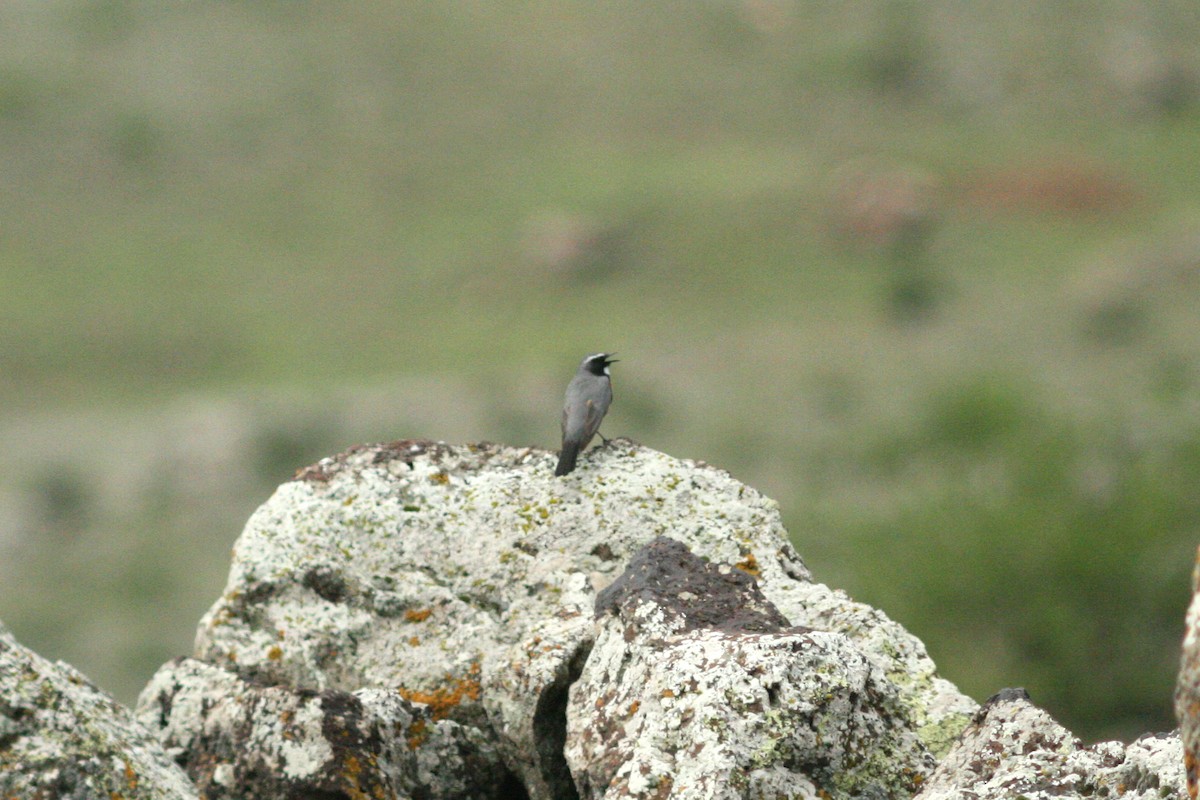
{"x":927,"y":273}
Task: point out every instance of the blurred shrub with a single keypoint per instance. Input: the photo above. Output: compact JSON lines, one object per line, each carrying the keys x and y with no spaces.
{"x":1048,"y":552}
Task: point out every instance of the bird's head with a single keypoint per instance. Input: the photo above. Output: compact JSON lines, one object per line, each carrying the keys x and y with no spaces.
{"x":598,"y":363}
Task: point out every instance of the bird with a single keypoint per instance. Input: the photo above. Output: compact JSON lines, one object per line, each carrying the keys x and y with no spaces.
{"x":588,"y":397}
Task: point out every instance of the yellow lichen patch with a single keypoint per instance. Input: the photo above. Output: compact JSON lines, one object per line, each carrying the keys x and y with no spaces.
{"x":415,"y":615}
{"x":668,"y":693}
{"x":414,"y":640}
{"x":439,"y":478}
{"x":416,"y":734}
{"x":352,"y":769}
{"x":749,"y":565}
{"x":275,"y":653}
{"x":442,"y":700}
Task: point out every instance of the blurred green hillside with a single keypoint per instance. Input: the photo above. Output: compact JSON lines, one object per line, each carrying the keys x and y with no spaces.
{"x":928,"y":273}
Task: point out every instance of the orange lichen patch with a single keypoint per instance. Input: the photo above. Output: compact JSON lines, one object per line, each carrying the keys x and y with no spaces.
{"x":416,"y":734}
{"x":749,"y":565}
{"x":663,"y":790}
{"x":131,"y":777}
{"x":442,"y":700}
{"x":668,"y":693}
{"x":440,"y":478}
{"x":352,"y":768}
{"x":415,"y":615}
{"x":275,"y":653}
{"x":633,"y":707}
{"x":414,"y":640}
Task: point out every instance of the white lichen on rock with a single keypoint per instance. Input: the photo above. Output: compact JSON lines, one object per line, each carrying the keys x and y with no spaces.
{"x":416,"y":566}
{"x":1014,"y":749}
{"x":60,"y":736}
{"x":421,"y":619}
{"x":697,"y":685}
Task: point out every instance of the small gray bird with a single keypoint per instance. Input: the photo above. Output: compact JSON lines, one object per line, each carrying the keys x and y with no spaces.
{"x":588,"y":397}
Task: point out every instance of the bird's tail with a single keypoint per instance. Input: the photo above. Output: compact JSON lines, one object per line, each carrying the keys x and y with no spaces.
{"x":566,"y":459}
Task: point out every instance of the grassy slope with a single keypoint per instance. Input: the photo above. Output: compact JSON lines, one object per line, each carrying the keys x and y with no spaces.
{"x":218,"y":198}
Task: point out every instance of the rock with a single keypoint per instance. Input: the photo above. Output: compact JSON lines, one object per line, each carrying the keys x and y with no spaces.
{"x":697,"y":685}
{"x":1014,"y":749}
{"x":1187,"y":689}
{"x":463,"y":580}
{"x":264,"y":742}
{"x":61,"y":737}
{"x":418,"y":619}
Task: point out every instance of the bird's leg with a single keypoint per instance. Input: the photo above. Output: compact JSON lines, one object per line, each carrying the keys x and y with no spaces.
{"x":603,"y":440}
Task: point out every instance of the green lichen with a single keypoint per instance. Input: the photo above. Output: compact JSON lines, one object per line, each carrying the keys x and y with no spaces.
{"x":938,"y":737}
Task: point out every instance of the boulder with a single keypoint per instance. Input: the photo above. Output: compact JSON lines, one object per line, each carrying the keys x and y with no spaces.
{"x":461,"y":582}
{"x":1014,"y":749}
{"x":255,"y":742}
{"x":697,"y":686}
{"x":417,"y":619}
{"x":61,"y":737}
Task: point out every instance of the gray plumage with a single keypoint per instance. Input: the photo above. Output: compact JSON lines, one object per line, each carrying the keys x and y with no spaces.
{"x":586,"y":402}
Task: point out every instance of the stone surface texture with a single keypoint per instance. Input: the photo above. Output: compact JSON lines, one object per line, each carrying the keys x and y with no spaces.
{"x":1012,"y":749}
{"x":421,"y":620}
{"x":698,"y":687}
{"x":1187,"y":689}
{"x":249,"y":741}
{"x":463,"y":579}
{"x":61,"y":737}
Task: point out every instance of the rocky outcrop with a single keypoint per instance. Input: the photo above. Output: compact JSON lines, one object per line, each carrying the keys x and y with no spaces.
{"x":243,"y":740}
{"x":61,"y":737}
{"x":1014,"y":749}
{"x":462,"y":582}
{"x":697,"y":686}
{"x":423,"y":620}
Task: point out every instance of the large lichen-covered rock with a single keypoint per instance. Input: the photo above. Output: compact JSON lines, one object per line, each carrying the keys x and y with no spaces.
{"x":61,"y":737}
{"x":419,"y":620}
{"x":1014,"y":749}
{"x":698,"y":687}
{"x":463,"y":579}
{"x":264,"y":742}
